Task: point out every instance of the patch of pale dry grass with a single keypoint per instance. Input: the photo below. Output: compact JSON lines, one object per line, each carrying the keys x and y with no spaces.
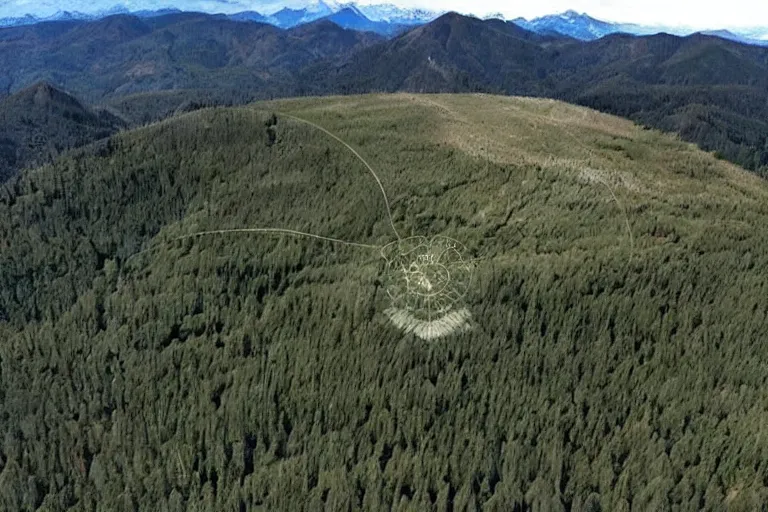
{"x":613,"y":179}
{"x":450,"y":323}
{"x":557,"y":113}
{"x":512,"y":130}
{"x":545,"y":133}
{"x":549,"y":135}
{"x":428,"y":101}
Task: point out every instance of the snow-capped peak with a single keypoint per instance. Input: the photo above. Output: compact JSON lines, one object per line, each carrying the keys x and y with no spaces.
{"x":390,"y":13}
{"x":495,"y":16}
{"x":569,"y":23}
{"x":570,"y":13}
{"x":323,"y":7}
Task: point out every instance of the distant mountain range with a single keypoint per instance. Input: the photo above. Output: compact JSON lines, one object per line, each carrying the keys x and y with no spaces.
{"x":710,"y":90}
{"x":569,"y":23}
{"x":384,"y":19}
{"x":123,"y":54}
{"x":586,"y":28}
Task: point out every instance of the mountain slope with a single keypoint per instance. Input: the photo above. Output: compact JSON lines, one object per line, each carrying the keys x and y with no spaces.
{"x":453,"y":53}
{"x":389,"y":17}
{"x":122,"y":55}
{"x":657,"y":80}
{"x":727,"y":34}
{"x":41,"y":121}
{"x":289,"y":17}
{"x":571,"y":24}
{"x":391,"y":13}
{"x":586,"y":28}
{"x":353,"y":19}
{"x":249,"y":16}
{"x":711,"y":91}
{"x":285,"y":17}
{"x":602,"y":371}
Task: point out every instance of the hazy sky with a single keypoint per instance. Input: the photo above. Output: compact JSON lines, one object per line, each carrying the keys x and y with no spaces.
{"x":687,"y":13}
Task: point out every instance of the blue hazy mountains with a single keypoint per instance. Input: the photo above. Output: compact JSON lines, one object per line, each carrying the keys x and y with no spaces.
{"x":384,"y":19}
{"x":586,"y":28}
{"x":569,"y":23}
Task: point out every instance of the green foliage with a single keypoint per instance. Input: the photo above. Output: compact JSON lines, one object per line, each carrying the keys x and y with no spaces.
{"x":259,"y":372}
{"x":729,"y":120}
{"x":40,"y":122}
{"x":122,"y":55}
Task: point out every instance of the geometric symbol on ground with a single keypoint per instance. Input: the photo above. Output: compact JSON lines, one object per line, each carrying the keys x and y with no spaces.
{"x":426,"y":280}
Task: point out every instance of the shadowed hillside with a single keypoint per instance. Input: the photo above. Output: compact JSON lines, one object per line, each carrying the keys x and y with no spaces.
{"x":38,"y":123}
{"x":711,"y":91}
{"x":616,"y":359}
{"x":124,"y":54}
{"x":451,"y":54}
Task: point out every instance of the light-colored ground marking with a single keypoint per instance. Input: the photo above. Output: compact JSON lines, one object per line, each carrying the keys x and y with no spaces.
{"x":425,"y":281}
{"x":359,"y":157}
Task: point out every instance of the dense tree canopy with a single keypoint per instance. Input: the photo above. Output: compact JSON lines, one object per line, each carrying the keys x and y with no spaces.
{"x":258,"y":372}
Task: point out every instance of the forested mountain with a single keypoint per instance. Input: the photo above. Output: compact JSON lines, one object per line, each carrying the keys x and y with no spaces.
{"x":39,"y":122}
{"x":124,"y":54}
{"x":452,"y":54}
{"x":382,"y":18}
{"x":616,"y":358}
{"x":711,"y":91}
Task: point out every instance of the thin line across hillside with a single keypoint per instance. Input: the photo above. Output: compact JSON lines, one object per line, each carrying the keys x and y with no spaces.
{"x":281,"y":231}
{"x":373,"y":173}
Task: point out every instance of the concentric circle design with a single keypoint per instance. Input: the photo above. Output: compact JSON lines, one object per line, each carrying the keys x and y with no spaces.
{"x":426,"y":280}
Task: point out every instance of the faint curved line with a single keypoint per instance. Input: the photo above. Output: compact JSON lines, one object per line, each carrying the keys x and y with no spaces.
{"x":373,"y":173}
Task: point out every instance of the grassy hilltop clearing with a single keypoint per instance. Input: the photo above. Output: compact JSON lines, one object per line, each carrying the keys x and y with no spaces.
{"x":617,"y":358}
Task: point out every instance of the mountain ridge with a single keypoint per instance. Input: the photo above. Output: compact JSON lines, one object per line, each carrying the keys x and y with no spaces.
{"x":586,"y":28}
{"x":125,"y":54}
{"x":41,"y":121}
{"x":710,"y":90}
{"x":569,"y":23}
{"x":384,"y":18}
{"x":352,"y":18}
{"x":655,"y":80}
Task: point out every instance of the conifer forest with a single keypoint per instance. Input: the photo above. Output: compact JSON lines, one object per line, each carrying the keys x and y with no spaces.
{"x":613,"y":358}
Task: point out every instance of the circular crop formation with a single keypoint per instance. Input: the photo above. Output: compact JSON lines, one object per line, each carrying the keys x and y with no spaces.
{"x":426,"y":280}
